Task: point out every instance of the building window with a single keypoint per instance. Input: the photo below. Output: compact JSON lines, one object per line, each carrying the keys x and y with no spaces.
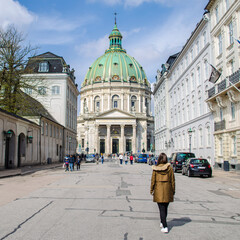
{"x":200,"y":137}
{"x":208,"y":136}
{"x":42,"y":127}
{"x":192,"y":55}
{"x":220,"y":44}
{"x":42,"y":90}
{"x":217,"y":14}
{"x":199,"y":75}
{"x":193,"y":81}
{"x":220,"y":146}
{"x":227,"y":4}
{"x":221,"y":114}
{"x":198,"y":47}
{"x":234,"y":145}
{"x":55,"y":90}
{"x":133,"y":101}
{"x":204,"y":38}
{"x":206,"y":69}
{"x":233,"y":110}
{"x":28,"y":91}
{"x":230,"y":29}
{"x":82,"y":143}
{"x":46,"y":129}
{"x":43,"y":67}
{"x":115,"y":100}
{"x":50,"y":130}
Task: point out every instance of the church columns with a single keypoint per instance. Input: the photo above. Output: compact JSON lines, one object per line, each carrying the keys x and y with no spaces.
{"x":109,"y":101}
{"x":134,"y":138}
{"x":122,"y":150}
{"x":97,"y":139}
{"x":108,"y":144}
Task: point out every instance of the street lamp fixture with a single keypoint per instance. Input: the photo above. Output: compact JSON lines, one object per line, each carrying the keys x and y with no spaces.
{"x":7,"y":134}
{"x":190,"y":138}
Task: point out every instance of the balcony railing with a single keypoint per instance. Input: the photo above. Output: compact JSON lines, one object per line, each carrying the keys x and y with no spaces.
{"x":234,"y":78}
{"x":219,"y":125}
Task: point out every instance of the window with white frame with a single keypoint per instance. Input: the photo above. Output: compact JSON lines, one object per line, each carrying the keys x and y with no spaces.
{"x":28,"y":91}
{"x":193,"y":81}
{"x":230,"y":32}
{"x":46,"y":129}
{"x":233,"y":110}
{"x":43,"y":67}
{"x":42,"y":127}
{"x":208,"y":136}
{"x":220,"y":146}
{"x":217,"y":14}
{"x":234,"y":145}
{"x":192,"y":55}
{"x":227,"y":4}
{"x":187,"y":87}
{"x":204,"y":38}
{"x":220,"y":44}
{"x":221,"y":114}
{"x":200,"y":106}
{"x":55,"y":90}
{"x":198,"y":47}
{"x":200,"y":137}
{"x":42,"y":90}
{"x":206,"y":69}
{"x":198,"y":76}
{"x":194,"y":136}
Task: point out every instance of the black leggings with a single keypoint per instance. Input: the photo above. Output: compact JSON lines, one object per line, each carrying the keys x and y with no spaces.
{"x":163,"y":207}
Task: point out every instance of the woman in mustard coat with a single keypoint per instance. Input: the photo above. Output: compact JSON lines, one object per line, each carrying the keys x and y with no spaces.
{"x":163,"y":188}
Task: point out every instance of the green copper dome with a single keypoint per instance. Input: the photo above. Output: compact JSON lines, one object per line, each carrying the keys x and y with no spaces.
{"x":115,"y":65}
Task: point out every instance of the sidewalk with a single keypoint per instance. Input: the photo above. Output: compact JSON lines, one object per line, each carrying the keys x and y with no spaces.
{"x":27,"y":170}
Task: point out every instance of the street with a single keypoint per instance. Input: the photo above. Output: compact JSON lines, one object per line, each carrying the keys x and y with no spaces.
{"x":113,"y":202}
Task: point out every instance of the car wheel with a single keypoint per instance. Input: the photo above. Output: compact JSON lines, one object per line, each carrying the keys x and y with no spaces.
{"x":188,"y":173}
{"x":210,"y":175}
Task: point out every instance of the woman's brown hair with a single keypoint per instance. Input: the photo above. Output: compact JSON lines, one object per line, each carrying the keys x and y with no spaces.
{"x":162,"y":159}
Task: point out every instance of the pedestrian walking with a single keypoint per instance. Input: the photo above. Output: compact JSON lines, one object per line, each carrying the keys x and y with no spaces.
{"x":78,"y":162}
{"x":131,"y":159}
{"x":97,"y":158}
{"x":163,"y":188}
{"x":102,"y":158}
{"x":125,"y":158}
{"x":121,"y":158}
{"x":71,"y":162}
{"x":66,"y":163}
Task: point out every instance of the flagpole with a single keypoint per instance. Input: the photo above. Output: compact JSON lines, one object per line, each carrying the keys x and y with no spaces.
{"x":227,"y":78}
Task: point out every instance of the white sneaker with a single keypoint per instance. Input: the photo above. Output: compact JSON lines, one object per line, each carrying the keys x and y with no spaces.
{"x":161,"y":226}
{"x":164,"y":230}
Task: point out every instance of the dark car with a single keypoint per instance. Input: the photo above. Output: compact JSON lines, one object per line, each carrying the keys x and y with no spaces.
{"x":197,"y":167}
{"x":179,"y":158}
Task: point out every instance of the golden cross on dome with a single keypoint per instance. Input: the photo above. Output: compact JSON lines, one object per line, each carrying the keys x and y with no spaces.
{"x":115,"y":18}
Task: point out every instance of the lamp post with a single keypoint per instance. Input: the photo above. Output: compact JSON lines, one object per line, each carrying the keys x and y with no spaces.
{"x":190,"y":138}
{"x":87,"y":147}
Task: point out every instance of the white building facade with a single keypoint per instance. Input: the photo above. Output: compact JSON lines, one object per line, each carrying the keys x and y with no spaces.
{"x":57,"y":92}
{"x":187,"y":84}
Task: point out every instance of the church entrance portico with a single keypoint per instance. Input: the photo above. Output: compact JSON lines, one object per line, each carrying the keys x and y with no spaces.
{"x":115,"y":145}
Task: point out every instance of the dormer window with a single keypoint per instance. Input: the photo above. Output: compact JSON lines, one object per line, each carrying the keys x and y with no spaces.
{"x":130,"y":64}
{"x":43,"y":67}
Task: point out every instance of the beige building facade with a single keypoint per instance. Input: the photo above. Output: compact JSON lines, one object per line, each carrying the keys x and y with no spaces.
{"x":224,"y":98}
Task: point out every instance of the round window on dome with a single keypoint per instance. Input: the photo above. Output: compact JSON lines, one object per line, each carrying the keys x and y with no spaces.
{"x":133,"y":79}
{"x":115,"y":78}
{"x":97,"y":79}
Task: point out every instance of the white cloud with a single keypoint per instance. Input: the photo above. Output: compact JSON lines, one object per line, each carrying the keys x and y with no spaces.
{"x":12,"y":12}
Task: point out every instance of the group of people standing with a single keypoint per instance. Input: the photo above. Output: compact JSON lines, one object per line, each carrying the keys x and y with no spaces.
{"x":97,"y":158}
{"x":70,"y":161}
{"x":124,"y":158}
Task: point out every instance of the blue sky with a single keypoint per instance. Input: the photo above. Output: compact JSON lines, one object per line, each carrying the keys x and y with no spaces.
{"x":78,"y":30}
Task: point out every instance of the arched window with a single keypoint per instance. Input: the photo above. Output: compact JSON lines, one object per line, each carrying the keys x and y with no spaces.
{"x":234,"y":145}
{"x":200,"y":137}
{"x":115,"y":101}
{"x":85,"y":108}
{"x":97,"y":104}
{"x":133,"y":101}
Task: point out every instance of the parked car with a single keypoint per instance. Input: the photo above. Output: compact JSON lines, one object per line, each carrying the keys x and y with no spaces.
{"x":179,"y":158}
{"x":142,"y":158}
{"x":197,"y":167}
{"x":153,"y":160}
{"x":90,"y":158}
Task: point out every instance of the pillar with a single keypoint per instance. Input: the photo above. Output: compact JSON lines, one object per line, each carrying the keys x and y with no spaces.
{"x":134,"y":138}
{"x":97,"y":142}
{"x":108,"y":147}
{"x":121,"y":147}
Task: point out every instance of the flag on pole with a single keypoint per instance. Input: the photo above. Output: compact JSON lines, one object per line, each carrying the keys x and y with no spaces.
{"x":237,"y":40}
{"x":215,"y":75}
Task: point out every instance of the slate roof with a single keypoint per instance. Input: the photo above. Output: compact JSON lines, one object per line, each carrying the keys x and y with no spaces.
{"x":56,"y":63}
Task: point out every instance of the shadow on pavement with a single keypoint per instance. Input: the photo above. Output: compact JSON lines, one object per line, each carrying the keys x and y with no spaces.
{"x":177,"y":222}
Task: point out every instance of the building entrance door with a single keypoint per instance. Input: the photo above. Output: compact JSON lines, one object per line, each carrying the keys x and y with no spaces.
{"x":115,"y":146}
{"x":128,"y":145}
{"x":102,"y":146}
